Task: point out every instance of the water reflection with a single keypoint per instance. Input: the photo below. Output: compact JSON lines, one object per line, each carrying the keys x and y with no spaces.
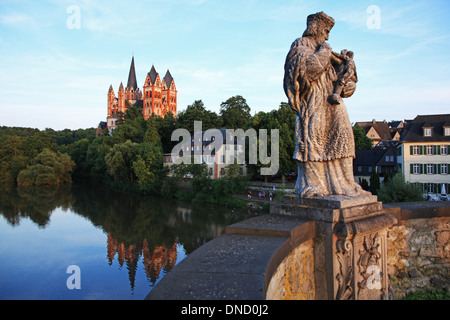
{"x":141,"y":232}
{"x":34,"y":203}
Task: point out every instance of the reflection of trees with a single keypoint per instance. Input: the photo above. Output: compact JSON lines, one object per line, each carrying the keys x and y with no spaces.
{"x":35,"y":203}
{"x":131,"y":219}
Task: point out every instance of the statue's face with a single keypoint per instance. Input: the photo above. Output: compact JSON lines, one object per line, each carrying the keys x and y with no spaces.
{"x":323,"y":34}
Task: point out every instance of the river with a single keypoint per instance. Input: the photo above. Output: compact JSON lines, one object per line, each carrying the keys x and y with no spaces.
{"x":121,"y":245}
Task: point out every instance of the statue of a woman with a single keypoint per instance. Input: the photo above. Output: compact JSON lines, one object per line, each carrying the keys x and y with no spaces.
{"x":316,"y":79}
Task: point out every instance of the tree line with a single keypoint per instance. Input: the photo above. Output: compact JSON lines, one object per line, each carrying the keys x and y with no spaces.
{"x":131,"y":157}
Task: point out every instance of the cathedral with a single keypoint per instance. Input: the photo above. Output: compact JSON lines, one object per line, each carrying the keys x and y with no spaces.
{"x":158,"y":96}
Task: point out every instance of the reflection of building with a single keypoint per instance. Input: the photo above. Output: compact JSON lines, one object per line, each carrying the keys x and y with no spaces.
{"x":216,"y":154}
{"x":154,"y":260}
{"x":159,"y":97}
{"x":423,"y":153}
{"x":159,"y":258}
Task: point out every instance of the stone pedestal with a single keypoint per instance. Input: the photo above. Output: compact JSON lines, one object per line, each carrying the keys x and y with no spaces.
{"x":350,"y":244}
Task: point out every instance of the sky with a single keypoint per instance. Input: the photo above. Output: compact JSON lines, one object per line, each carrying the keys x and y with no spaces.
{"x":58,"y":58}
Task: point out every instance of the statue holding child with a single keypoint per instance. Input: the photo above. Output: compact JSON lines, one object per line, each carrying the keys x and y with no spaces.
{"x":316,"y":81}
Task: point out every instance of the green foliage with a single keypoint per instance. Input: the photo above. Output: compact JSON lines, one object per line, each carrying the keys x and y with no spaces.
{"x":364,"y":184}
{"x":429,"y":294}
{"x":119,"y":161}
{"x":49,"y":168}
{"x":374,"y":182}
{"x":397,"y":190}
{"x":12,"y":158}
{"x":362,"y":142}
{"x":169,"y":187}
{"x":148,"y":166}
{"x":19,"y":148}
{"x":198,"y":112}
{"x":282,"y":119}
{"x":219,"y":191}
{"x":235,"y":112}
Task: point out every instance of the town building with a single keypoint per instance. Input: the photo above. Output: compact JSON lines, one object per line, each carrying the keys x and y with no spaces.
{"x":381,"y":132}
{"x":158,"y":96}
{"x":423,"y":153}
{"x":217,"y":155}
{"x":381,"y":159}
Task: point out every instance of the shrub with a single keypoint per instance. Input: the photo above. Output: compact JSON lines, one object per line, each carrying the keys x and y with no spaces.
{"x":169,"y":187}
{"x":398,"y":190}
{"x":429,"y":294}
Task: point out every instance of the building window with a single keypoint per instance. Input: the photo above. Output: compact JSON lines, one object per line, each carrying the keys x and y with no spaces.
{"x":430,"y":150}
{"x":430,"y":168}
{"x":427,"y":132}
{"x":447,"y":131}
{"x":416,"y":169}
{"x":444,"y":168}
{"x":431,"y":188}
{"x":416,"y":150}
{"x":444,"y":150}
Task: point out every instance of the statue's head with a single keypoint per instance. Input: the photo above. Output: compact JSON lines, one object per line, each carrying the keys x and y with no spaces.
{"x":319,"y":26}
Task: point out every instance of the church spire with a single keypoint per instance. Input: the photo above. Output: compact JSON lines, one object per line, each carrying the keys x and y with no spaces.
{"x":132,"y":83}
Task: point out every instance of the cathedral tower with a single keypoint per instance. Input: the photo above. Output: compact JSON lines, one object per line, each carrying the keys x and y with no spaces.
{"x":159,"y":97}
{"x":169,"y":95}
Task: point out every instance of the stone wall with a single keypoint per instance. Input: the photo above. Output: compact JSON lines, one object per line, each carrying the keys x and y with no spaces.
{"x":294,"y":277}
{"x":418,"y":255}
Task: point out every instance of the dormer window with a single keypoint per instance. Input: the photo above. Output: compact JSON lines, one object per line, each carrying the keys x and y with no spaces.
{"x":446,"y":131}
{"x":427,"y":132}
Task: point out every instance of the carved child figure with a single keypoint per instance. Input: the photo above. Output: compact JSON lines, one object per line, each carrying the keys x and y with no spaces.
{"x":347,"y":78}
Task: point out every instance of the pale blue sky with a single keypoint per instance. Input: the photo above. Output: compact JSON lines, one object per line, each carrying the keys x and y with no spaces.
{"x":57,"y":77}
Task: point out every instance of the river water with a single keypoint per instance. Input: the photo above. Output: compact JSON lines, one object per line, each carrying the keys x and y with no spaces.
{"x":88,"y":242}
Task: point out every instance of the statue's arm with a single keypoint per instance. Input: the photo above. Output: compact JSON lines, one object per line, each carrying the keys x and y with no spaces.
{"x":318,"y":62}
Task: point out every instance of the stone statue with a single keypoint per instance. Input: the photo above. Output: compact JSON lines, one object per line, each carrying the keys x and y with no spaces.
{"x":316,"y":79}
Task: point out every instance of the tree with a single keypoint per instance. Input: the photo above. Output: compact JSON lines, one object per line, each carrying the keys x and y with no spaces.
{"x":374,"y":181}
{"x":12,"y":158}
{"x":152,"y":135}
{"x":78,"y":153}
{"x":148,"y":166}
{"x":235,"y":112}
{"x":95,"y":157}
{"x":197,"y":112}
{"x":362,"y":142}
{"x":119,"y":161}
{"x":48,"y":168}
{"x":132,"y":128}
{"x":364,"y":184}
{"x":36,"y":143}
{"x":283,"y":120}
{"x":286,"y":118}
{"x":165,"y":127}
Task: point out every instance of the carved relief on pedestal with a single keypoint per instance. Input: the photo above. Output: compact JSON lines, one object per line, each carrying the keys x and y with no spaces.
{"x":370,"y":277}
{"x":360,"y":267}
{"x":344,"y":276}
